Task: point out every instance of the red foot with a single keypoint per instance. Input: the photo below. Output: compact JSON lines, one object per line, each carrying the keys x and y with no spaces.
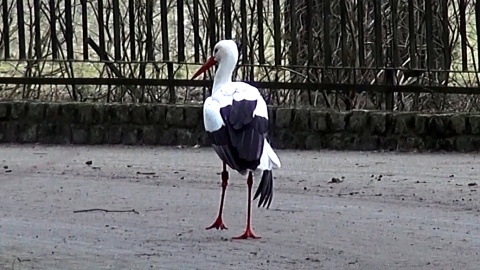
{"x":218,"y":224}
{"x":247,"y":234}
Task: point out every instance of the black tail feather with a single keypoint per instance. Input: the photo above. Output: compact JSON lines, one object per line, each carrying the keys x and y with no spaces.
{"x":265,"y":190}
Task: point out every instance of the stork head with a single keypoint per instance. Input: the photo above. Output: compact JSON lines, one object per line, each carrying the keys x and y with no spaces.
{"x":225,"y":51}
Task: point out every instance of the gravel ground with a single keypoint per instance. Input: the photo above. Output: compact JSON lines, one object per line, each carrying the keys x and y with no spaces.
{"x":331,"y":210}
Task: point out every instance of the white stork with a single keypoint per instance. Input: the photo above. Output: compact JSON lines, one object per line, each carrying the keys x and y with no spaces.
{"x":236,"y":120}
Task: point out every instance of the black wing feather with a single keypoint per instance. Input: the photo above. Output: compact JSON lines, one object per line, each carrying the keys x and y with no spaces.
{"x":241,"y":113}
{"x":240,"y":142}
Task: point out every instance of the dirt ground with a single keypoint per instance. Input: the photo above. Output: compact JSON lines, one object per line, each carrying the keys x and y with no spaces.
{"x":383,"y":211}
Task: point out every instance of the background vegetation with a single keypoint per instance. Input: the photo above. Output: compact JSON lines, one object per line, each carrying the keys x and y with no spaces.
{"x":444,"y":50}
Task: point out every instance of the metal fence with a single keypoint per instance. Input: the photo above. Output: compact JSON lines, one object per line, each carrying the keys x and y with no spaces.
{"x":345,"y":54}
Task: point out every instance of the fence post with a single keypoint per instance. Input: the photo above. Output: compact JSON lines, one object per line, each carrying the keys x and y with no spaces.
{"x":389,"y":82}
{"x":172,"y":99}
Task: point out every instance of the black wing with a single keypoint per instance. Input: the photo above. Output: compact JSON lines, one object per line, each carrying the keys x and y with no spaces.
{"x":239,"y":143}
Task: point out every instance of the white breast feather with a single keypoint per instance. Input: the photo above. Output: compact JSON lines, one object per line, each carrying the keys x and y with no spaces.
{"x":212,"y":118}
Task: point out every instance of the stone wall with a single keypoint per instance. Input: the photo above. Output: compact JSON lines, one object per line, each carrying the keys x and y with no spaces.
{"x":92,"y":123}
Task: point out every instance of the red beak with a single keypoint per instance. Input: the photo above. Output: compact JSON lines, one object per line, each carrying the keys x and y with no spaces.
{"x":210,"y":63}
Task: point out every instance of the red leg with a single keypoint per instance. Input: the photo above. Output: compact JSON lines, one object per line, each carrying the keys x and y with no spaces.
{"x":218,"y":224}
{"x":248,"y":231}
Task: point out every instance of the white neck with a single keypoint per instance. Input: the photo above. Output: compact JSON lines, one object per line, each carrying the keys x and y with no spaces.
{"x":223,"y":75}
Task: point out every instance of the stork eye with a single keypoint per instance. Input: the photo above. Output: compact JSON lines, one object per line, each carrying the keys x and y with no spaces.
{"x":216,"y":50}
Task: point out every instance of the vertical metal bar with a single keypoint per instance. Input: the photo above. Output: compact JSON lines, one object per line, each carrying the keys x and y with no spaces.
{"x":21,"y":29}
{"x":227,"y":5}
{"x":389,"y":97}
{"x":149,"y":35}
{"x":116,"y":30}
{"x":477,"y":24}
{"x":445,"y":35}
{"x":172,"y":99}
{"x":326,"y":33}
{"x":211,"y":19}
{"x":180,"y":32}
{"x":378,"y":34}
{"x":310,"y":53}
{"x":261,"y":40}
{"x":53,"y":29}
{"x":6,"y":30}
{"x":391,"y":56}
{"x":293,"y":33}
{"x":394,"y":11}
{"x":276,"y":33}
{"x":131,"y":22}
{"x":309,"y":26}
{"x":85,"y":29}
{"x":196,"y":31}
{"x":69,"y":28}
{"x":412,"y":36}
{"x":243,"y":24}
{"x":343,"y":31}
{"x":463,"y":34}
{"x":361,"y":33}
{"x":164,"y":19}
{"x":101,"y":25}
{"x":38,"y":41}
{"x":429,"y":34}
